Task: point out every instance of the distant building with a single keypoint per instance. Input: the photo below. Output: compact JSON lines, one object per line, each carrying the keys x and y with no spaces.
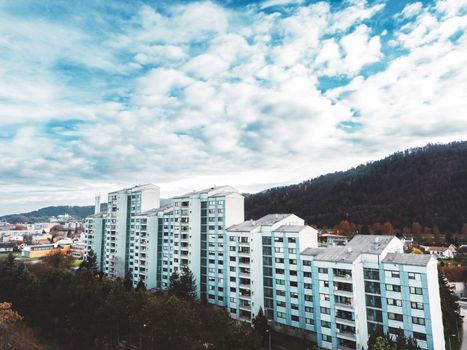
{"x":41,"y":250}
{"x":441,"y":252}
{"x":333,"y":239}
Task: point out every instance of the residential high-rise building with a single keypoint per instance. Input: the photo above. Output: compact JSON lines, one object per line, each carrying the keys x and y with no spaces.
{"x":122,"y":208}
{"x":94,"y":228}
{"x":250,"y":271}
{"x":335,"y":296}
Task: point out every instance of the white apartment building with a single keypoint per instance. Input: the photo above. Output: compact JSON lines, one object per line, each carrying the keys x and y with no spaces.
{"x":336,"y":296}
{"x":250,"y":261}
{"x":122,"y":208}
{"x":94,"y":229}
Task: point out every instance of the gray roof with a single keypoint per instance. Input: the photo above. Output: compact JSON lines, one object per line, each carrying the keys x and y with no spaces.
{"x":271,"y":219}
{"x":291,"y":228}
{"x":219,"y":190}
{"x":153,"y":211}
{"x":360,"y":244}
{"x":312,"y":251}
{"x":98,"y":215}
{"x":250,"y":225}
{"x":407,"y":259}
{"x":136,"y":188}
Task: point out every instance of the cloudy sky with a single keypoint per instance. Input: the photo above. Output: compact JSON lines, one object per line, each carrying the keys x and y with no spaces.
{"x":96,"y":95}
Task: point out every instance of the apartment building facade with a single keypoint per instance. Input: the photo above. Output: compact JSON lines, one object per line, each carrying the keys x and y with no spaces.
{"x":94,"y":228}
{"x":120,"y":225}
{"x":335,"y":296}
{"x":340,"y":295}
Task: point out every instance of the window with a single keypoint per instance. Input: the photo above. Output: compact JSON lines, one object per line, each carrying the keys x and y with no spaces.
{"x":306,"y":263}
{"x":393,"y":288}
{"x":325,"y":310}
{"x":278,"y":250}
{"x":292,"y":262}
{"x":414,"y":276}
{"x":280,"y":293}
{"x":281,"y":303}
{"x":308,"y":309}
{"x":295,"y":318}
{"x":419,"y":336}
{"x":281,"y":314}
{"x":307,"y":274}
{"x":393,"y":274}
{"x":232,"y":300}
{"x":324,"y":297}
{"x":326,"y":324}
{"x":393,"y":316}
{"x":418,"y":320}
{"x":280,"y":282}
{"x":324,"y":284}
{"x":394,"y":302}
{"x":309,"y":321}
{"x":292,"y":250}
{"x":322,"y":270}
{"x":293,"y":284}
{"x":416,"y":290}
{"x":308,"y":298}
{"x":307,"y":285}
{"x":418,"y":306}
{"x":279,"y":260}
{"x":292,"y":240}
{"x":327,"y":338}
{"x":371,"y":274}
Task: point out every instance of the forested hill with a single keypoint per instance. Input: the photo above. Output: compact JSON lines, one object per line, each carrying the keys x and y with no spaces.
{"x":426,"y":185}
{"x":44,"y":214}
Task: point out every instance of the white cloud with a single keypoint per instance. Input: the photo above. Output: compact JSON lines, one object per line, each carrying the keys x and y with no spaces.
{"x":187,"y":95}
{"x":412,"y":9}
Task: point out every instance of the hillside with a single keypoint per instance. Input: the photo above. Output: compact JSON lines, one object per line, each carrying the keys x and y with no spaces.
{"x":426,"y":185}
{"x":44,"y":214}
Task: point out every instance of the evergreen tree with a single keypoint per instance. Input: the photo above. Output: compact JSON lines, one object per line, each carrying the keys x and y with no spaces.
{"x":260,"y":324}
{"x":452,"y":319}
{"x":188,"y":284}
{"x":183,"y":286}
{"x":127,"y":281}
{"x":90,"y":261}
{"x":141,"y":285}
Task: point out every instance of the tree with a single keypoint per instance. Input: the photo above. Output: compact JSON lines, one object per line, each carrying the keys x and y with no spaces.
{"x":128,"y":281}
{"x":90,"y":261}
{"x":452,"y":319}
{"x":183,"y":286}
{"x":141,"y":285}
{"x":13,"y":334}
{"x":381,"y":343}
{"x":344,"y":228}
{"x":388,"y":229}
{"x":260,"y":324}
{"x":58,"y":260}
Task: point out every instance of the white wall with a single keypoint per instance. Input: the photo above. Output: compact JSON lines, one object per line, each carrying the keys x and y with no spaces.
{"x":435,"y":305}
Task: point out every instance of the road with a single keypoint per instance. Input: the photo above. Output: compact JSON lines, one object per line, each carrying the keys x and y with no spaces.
{"x":463,"y":306}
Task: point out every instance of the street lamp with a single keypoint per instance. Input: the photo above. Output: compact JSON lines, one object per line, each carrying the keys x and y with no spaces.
{"x":269,"y":338}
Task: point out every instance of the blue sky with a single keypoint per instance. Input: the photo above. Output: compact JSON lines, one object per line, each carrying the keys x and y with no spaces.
{"x":95,"y":95}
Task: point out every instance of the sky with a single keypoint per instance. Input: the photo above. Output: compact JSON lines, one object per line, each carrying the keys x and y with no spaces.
{"x":100,"y":95}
